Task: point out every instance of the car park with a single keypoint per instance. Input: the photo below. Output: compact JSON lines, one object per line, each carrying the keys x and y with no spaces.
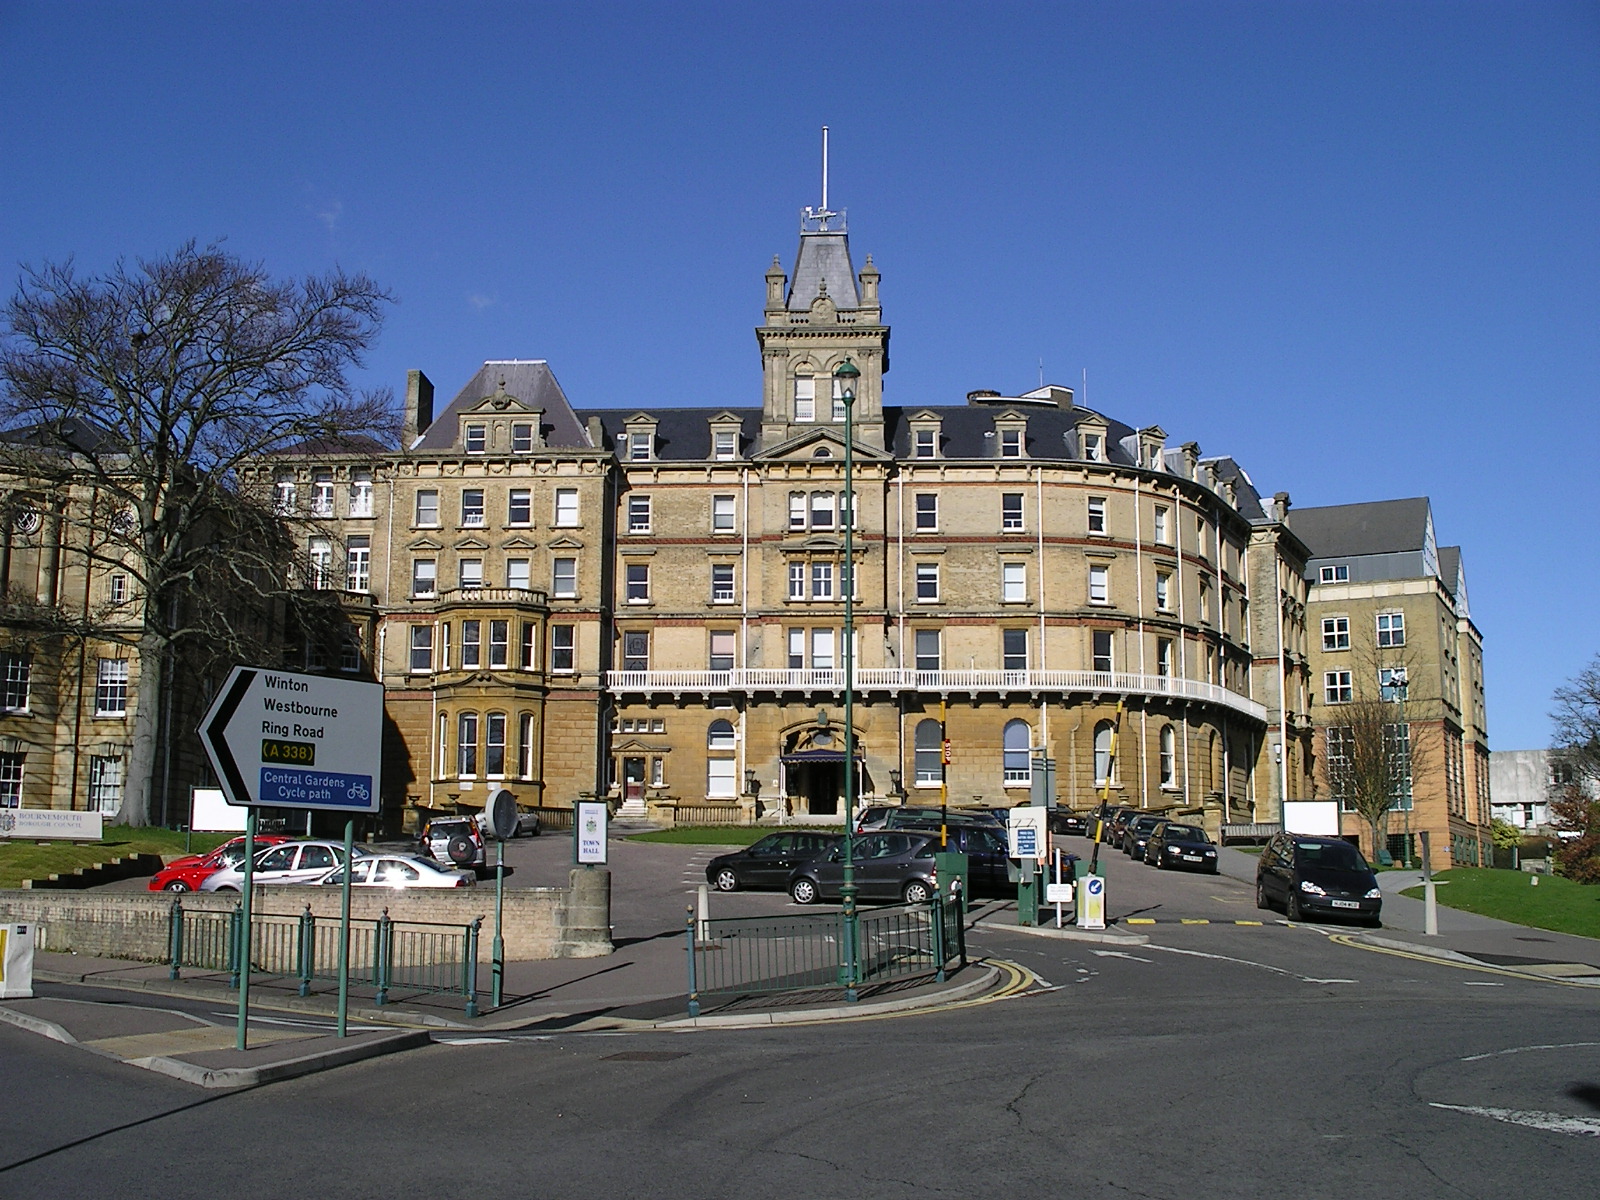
{"x":1317,"y":876}
{"x":1176,"y":845}
{"x":1136,"y":834}
{"x":769,"y":862}
{"x":457,"y":841}
{"x":888,"y":866}
{"x":291,"y":862}
{"x":399,"y":871}
{"x":186,"y":874}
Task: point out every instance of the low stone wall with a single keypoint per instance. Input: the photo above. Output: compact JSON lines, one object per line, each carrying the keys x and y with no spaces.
{"x":540,"y":923}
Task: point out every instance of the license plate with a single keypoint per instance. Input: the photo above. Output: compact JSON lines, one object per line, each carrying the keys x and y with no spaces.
{"x":1191,"y":858}
{"x":1345,"y":904}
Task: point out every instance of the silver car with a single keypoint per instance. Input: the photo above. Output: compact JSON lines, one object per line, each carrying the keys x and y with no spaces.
{"x":399,"y":871}
{"x":291,"y":862}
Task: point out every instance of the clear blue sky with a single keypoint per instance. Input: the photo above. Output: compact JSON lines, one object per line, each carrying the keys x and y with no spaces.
{"x":1355,"y":245}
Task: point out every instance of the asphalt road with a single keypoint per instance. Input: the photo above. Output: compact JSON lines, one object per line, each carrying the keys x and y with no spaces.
{"x":1218,"y":1060}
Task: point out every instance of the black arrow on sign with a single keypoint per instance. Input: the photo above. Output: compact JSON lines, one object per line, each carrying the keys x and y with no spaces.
{"x":213,"y":734}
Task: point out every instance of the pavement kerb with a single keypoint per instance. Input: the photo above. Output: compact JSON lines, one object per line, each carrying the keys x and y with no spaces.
{"x":1440,"y":952}
{"x":1072,"y":935}
{"x":37,"y":1025}
{"x":363,"y":1047}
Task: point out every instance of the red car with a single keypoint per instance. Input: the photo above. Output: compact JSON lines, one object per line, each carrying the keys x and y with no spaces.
{"x":186,"y":874}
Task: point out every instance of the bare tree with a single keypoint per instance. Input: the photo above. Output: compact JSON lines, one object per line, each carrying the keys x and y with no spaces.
{"x":1577,"y":723}
{"x":1370,"y":757}
{"x":130,"y":401}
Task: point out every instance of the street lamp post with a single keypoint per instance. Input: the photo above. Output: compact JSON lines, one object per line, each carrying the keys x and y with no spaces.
{"x":846,"y":374}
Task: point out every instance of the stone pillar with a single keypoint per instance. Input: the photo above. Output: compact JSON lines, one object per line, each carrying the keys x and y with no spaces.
{"x":586,"y":923}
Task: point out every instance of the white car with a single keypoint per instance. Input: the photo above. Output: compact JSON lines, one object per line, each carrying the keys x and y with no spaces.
{"x":400,"y":871}
{"x":291,"y":862}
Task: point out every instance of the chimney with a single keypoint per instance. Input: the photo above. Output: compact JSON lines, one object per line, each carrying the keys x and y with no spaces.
{"x":1191,"y":459}
{"x":597,"y":433}
{"x":419,"y":408}
{"x":1280,"y":506}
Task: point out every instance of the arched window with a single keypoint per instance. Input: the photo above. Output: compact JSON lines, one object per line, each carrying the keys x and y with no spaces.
{"x":805,"y":397}
{"x":1017,"y":740}
{"x":719,"y":735}
{"x":1103,"y":764}
{"x":1169,"y":765}
{"x":929,"y":754}
{"x":1209,"y":783}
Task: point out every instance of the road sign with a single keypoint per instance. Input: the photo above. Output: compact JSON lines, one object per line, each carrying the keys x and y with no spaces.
{"x":1025,"y":829}
{"x":944,"y":753}
{"x":593,"y":817}
{"x":1092,"y":902}
{"x":284,"y":740}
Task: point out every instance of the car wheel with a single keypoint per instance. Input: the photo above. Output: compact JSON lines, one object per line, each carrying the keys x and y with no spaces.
{"x":461,"y":851}
{"x":1373,"y":922}
{"x":803,"y":891}
{"x":917,"y":892}
{"x":177,"y":885}
{"x":227,"y":887}
{"x":1261,"y":896}
{"x":726,"y":880}
{"x":1292,"y":909}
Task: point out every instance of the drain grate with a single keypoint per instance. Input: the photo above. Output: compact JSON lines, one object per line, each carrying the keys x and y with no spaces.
{"x":645,"y":1056}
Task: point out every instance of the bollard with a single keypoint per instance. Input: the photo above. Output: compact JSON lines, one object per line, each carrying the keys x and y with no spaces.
{"x":175,"y":937}
{"x":703,"y":934}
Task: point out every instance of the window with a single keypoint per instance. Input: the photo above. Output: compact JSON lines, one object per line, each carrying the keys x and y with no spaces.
{"x":722,"y":650}
{"x":563,"y":653}
{"x":838,"y":399}
{"x":797,"y":510}
{"x":720,"y":735}
{"x":1205,"y":603}
{"x":316,"y":657}
{"x":529,"y":657}
{"x":722,"y":583}
{"x":16,"y":674}
{"x":638,"y":514}
{"x":636,"y":650}
{"x":1391,"y":629}
{"x":361,"y":493}
{"x":1013,"y":582}
{"x":499,"y":643}
{"x":444,"y":646}
{"x":519,"y":507}
{"x":927,"y":649}
{"x":319,"y":561}
{"x":427,"y":508}
{"x":421,"y":649}
{"x":476,"y":438}
{"x":721,"y":778}
{"x":797,"y":581}
{"x":566,"y":506}
{"x":805,"y":398}
{"x":797,"y":649}
{"x":927,"y":518}
{"x":1164,"y":590}
{"x":518,"y":575}
{"x":494,"y":744}
{"x":111,"y":688}
{"x":1202,"y":537}
{"x":639,"y":445}
{"x":722,"y":514}
{"x":350,"y":651}
{"x":929,"y":742}
{"x":322,"y":494}
{"x":1093,"y":445}
{"x":725,"y":445}
{"x":1099,"y":585}
{"x":1016,"y":763}
{"x":471,"y":644}
{"x":472,"y":508}
{"x":117,"y":589}
{"x":1338,"y":743}
{"x":1169,"y":765}
{"x":1011,"y":511}
{"x":1336,"y":633}
{"x":1014,"y":650}
{"x":925,"y":443}
{"x":658,"y":772}
{"x":822,"y":649}
{"x":525,"y":746}
{"x":822,"y":581}
{"x":1397,"y":750}
{"x":105,"y":784}
{"x":467,"y":744}
{"x":1102,"y":660}
{"x":471,"y":574}
{"x":522,"y":437}
{"x":424,"y":577}
{"x":822,"y":510}
{"x":1104,"y":763}
{"x":1097,"y":514}
{"x":927,"y":583}
{"x":1011,"y":443}
{"x":1389,"y":688}
{"x":1161,"y":524}
{"x":10,"y":781}
{"x":638,"y":583}
{"x":283,"y":497}
{"x":1336,"y":687}
{"x":1163,"y":657}
{"x":1339,"y":574}
{"x":564,"y":578}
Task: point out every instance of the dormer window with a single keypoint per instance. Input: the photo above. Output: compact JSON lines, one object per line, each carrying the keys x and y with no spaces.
{"x":1339,"y":574}
{"x":1094,"y":447}
{"x":475,"y":438}
{"x":805,"y":398}
{"x":1011,"y":443}
{"x":638,"y":441}
{"x":725,"y":445}
{"x":925,"y":443}
{"x":522,"y":437}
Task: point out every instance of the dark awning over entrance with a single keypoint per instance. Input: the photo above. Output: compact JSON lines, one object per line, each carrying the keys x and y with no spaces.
{"x":801,"y":757}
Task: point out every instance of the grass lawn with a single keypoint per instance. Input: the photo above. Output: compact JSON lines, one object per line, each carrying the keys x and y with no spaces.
{"x":713,"y":835}
{"x":31,"y":860}
{"x":1554,"y":903}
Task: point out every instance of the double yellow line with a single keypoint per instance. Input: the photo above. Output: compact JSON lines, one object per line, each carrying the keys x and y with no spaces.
{"x":1345,"y":939}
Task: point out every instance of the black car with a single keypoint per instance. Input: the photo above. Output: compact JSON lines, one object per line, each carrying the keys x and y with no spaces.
{"x":990,"y":870}
{"x":889,"y":866}
{"x":1317,"y":876}
{"x":1064,"y":820}
{"x":768,"y":862}
{"x":1183,"y":846}
{"x":1136,"y":834}
{"x":1115,"y":820}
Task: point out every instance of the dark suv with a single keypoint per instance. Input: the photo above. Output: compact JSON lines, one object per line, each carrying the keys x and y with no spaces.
{"x":1317,"y":876}
{"x":454,"y":840}
{"x":768,"y":862}
{"x":889,"y":866}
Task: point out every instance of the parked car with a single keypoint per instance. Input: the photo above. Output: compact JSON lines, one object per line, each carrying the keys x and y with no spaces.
{"x":186,"y":874}
{"x":1065,"y":820}
{"x":878,"y":816}
{"x":454,"y":840}
{"x":1114,"y":822}
{"x":291,"y":862}
{"x":528,"y":823}
{"x":1317,"y":876}
{"x":768,"y":862}
{"x":991,"y":871}
{"x":1173,"y":844}
{"x":1136,"y":834}
{"x":888,"y":866}
{"x":399,"y":871}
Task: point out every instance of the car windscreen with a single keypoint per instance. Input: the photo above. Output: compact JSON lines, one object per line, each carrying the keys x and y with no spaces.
{"x":1185,"y":833}
{"x":1335,"y":856}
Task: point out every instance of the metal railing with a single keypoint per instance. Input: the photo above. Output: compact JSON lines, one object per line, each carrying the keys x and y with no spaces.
{"x":764,"y":955}
{"x":902,"y":679}
{"x":384,"y":954}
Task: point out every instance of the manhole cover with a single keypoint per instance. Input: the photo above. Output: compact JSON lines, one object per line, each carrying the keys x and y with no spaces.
{"x":645,"y":1056}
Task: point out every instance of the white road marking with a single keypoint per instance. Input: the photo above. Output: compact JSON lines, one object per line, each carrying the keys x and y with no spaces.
{"x":1549,"y":1121}
{"x":1482,"y":983}
{"x":1308,"y":979}
{"x":1121,"y":954}
{"x":473,"y":1041}
{"x":1527,"y":1049}
{"x":1245,"y":962}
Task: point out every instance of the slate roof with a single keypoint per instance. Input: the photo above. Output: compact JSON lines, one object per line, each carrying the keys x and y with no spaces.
{"x":823,"y":256}
{"x":1351,"y":530}
{"x":1246,"y":499}
{"x":528,"y":380}
{"x":682,"y":434}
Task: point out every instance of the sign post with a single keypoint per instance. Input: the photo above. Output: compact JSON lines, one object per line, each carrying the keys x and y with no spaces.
{"x":278,"y":739}
{"x":589,"y":832}
{"x":1028,"y":833}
